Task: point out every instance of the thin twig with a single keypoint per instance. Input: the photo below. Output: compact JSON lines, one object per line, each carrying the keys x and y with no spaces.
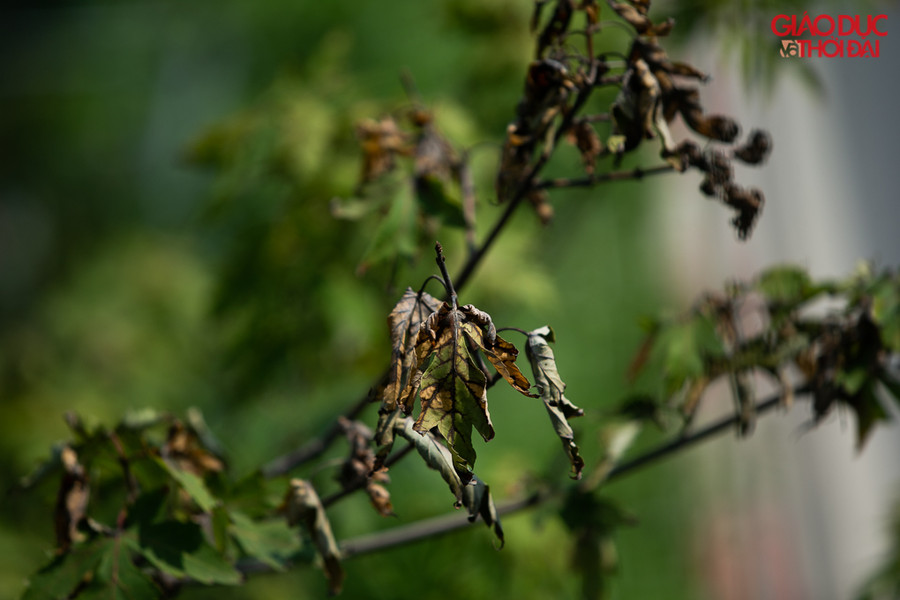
{"x":361,"y":483}
{"x":313,"y":448}
{"x":527,"y":184}
{"x":637,"y":173}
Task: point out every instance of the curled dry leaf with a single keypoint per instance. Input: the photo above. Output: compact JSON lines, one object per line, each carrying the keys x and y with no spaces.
{"x":552,"y":389}
{"x":475,"y":496}
{"x":381,"y":142}
{"x":638,"y":111}
{"x":71,"y":500}
{"x":303,"y":508}
{"x":585,"y":138}
{"x":404,"y":322}
{"x":756,"y":149}
{"x":185,"y":450}
{"x":360,"y":469}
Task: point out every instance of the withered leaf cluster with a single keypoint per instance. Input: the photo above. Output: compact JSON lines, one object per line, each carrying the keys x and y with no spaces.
{"x":412,"y":180}
{"x":359,"y":469}
{"x":445,"y":375}
{"x":842,"y":358}
{"x":653,"y":94}
{"x":653,"y":91}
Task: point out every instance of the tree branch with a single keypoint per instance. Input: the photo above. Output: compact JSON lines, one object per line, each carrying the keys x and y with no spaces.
{"x":314,"y":448}
{"x":448,"y":523}
{"x":637,"y":173}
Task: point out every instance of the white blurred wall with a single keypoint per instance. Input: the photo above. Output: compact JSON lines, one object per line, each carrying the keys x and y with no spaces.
{"x":788,"y":514}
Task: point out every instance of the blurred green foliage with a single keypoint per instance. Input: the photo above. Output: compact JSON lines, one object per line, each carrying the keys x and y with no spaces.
{"x":167,"y":242}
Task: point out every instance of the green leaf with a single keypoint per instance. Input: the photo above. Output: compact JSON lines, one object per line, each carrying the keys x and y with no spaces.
{"x":179,"y":549}
{"x":868,"y":412}
{"x":853,"y":380}
{"x":786,"y":285}
{"x":686,"y":347}
{"x":192,"y":485}
{"x":395,"y":235}
{"x":436,"y":200}
{"x":100,"y":568}
{"x":271,"y":542}
{"x":552,"y":389}
{"x":59,"y":578}
{"x":118,"y":578}
{"x":886,"y":311}
{"x":219,"y":524}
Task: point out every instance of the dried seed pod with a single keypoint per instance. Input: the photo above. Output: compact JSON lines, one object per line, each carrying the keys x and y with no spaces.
{"x":757,"y":148}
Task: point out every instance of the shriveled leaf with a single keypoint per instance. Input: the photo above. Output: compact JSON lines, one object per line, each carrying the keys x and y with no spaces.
{"x":637,"y":112}
{"x":475,"y":495}
{"x":556,"y":26}
{"x":745,"y":400}
{"x":477,"y":499}
{"x":184,"y":449}
{"x":380,"y":498}
{"x":435,"y":454}
{"x":304,"y":508}
{"x":552,"y":390}
{"x":404,"y":321}
{"x":71,"y":500}
{"x":381,"y":141}
{"x":359,"y":464}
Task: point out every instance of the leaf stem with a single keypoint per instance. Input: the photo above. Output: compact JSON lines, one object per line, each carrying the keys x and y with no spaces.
{"x":442,"y":265}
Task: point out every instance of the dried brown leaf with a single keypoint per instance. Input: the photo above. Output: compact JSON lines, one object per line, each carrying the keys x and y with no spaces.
{"x":71,"y":500}
{"x":303,"y":507}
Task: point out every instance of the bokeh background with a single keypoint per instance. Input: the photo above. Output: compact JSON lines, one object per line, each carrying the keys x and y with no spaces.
{"x":166,"y":171}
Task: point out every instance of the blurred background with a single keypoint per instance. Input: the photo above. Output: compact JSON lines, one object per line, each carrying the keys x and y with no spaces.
{"x":166,"y":241}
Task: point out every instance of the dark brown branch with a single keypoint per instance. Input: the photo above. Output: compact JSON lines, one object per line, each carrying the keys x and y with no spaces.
{"x":427,"y":528}
{"x":638,"y":173}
